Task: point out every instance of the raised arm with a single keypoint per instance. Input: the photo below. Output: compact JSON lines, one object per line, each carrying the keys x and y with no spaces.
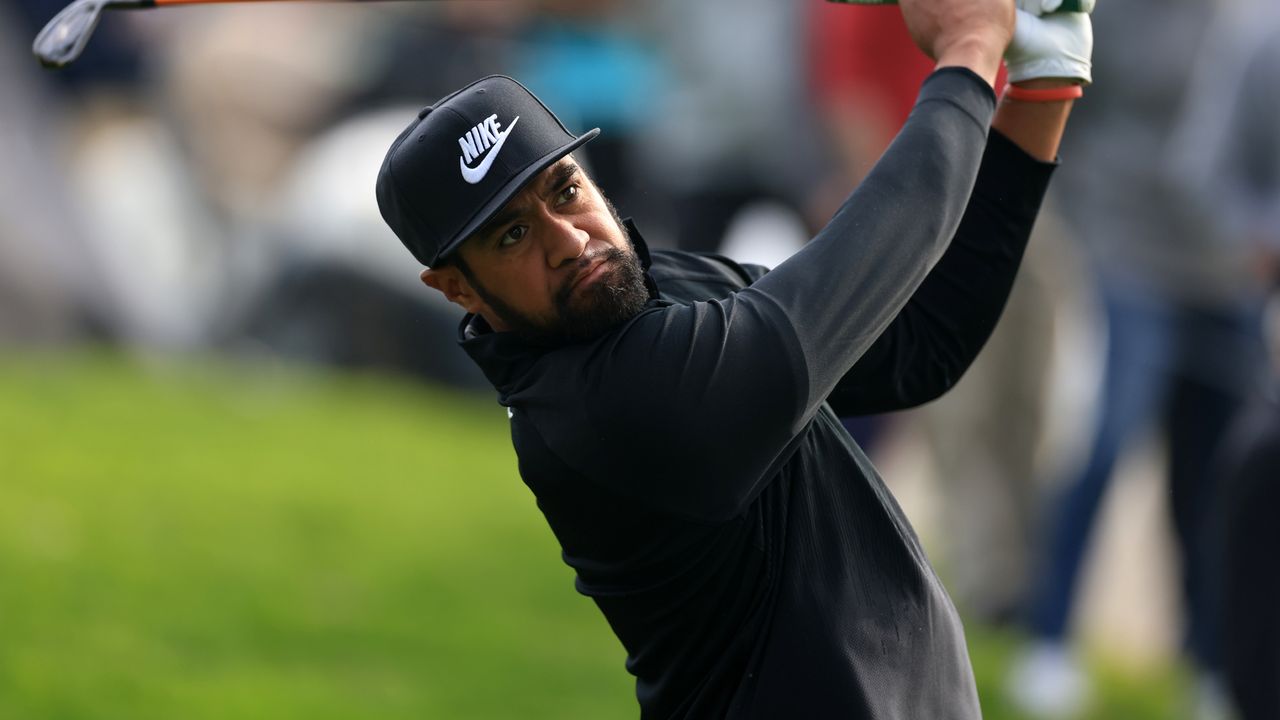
{"x":944,"y":325}
{"x":735,"y":381}
{"x":939,"y":333}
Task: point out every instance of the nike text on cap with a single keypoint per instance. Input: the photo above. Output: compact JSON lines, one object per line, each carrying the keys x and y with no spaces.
{"x":462,"y":159}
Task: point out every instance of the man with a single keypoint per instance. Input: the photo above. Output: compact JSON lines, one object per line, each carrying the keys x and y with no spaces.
{"x":1227,"y":158}
{"x":1177,"y":302}
{"x":672,"y":412}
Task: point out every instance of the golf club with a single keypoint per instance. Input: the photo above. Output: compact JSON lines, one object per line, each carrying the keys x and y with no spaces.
{"x":1067,"y":6}
{"x":65,"y":36}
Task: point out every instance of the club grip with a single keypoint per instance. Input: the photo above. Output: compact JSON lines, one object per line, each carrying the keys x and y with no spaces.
{"x":1067,"y":6}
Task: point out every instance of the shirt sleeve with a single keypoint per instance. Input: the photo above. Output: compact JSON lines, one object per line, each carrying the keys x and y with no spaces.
{"x":691,"y":408}
{"x":944,"y":325}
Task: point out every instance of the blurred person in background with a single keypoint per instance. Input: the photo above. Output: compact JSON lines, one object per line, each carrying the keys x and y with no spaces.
{"x":42,"y":298}
{"x":712,"y":144}
{"x":53,"y":287}
{"x":1227,"y":156}
{"x":154,"y":160}
{"x":1181,"y":305}
{"x":1244,"y":546}
{"x":984,"y":434}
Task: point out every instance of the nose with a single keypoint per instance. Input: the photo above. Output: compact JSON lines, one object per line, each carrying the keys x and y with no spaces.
{"x":565,"y":241}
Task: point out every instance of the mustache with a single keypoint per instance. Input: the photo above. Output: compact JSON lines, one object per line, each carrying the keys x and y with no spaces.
{"x":582,"y":265}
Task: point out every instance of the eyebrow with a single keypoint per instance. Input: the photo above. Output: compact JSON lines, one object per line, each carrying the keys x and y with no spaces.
{"x":560,"y":174}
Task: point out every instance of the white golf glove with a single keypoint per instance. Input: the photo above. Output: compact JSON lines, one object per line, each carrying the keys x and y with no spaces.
{"x":1050,"y":45}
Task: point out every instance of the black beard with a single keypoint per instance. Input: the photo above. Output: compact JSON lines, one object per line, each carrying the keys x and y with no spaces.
{"x":615,"y":298}
{"x":619,"y":295}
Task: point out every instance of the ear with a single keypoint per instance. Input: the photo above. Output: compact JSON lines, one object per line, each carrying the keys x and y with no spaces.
{"x":454,"y":286}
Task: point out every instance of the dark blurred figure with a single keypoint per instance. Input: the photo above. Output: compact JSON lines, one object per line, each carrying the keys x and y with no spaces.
{"x":1229,"y":158}
{"x":1248,"y":540}
{"x":1183,"y":349}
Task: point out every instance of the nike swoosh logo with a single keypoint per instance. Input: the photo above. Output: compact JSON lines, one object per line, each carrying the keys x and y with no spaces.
{"x":476,"y":174}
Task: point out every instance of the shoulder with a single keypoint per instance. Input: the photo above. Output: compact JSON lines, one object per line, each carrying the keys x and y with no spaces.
{"x":687,"y":277}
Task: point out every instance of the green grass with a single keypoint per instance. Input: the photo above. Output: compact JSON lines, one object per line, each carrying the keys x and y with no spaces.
{"x":193,"y":540}
{"x":1120,"y":691}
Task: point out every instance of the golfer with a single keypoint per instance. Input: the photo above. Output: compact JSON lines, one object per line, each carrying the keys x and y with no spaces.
{"x":676,"y":414}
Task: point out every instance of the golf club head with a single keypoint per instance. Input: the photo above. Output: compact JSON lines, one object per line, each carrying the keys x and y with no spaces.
{"x":64,"y":37}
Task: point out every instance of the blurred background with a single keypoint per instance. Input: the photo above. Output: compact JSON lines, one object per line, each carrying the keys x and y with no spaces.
{"x":245,"y":471}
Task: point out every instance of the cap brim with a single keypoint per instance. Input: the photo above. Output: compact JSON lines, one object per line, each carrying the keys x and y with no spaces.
{"x":508,"y":191}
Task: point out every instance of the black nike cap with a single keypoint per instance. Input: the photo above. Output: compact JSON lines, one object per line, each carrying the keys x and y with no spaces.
{"x":462,"y":159}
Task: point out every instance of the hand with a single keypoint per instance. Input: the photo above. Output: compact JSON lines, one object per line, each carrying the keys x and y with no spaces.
{"x":966,"y":33}
{"x":1058,"y":46}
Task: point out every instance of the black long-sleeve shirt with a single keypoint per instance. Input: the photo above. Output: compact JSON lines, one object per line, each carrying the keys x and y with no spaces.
{"x":740,"y":544}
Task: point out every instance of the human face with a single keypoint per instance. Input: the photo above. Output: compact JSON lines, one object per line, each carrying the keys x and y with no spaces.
{"x":554,"y":264}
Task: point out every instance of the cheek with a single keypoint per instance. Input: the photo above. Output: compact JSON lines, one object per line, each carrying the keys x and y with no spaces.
{"x":605,"y":229}
{"x":529,"y":289}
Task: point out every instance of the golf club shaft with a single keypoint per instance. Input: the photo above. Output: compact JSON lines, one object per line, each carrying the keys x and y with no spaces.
{"x":64,"y":37}
{"x":1067,"y":6}
{"x":165,"y":3}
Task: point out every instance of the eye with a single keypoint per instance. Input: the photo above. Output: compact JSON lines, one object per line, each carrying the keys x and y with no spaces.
{"x":513,"y":236}
{"x":567,"y":195}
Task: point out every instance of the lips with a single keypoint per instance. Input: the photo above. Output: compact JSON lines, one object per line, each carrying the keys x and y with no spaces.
{"x":591,"y":275}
